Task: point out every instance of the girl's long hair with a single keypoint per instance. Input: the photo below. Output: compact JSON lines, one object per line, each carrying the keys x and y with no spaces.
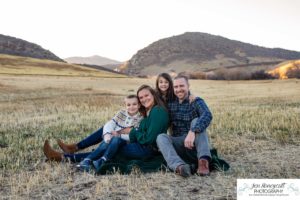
{"x":157,"y":100}
{"x":170,"y":92}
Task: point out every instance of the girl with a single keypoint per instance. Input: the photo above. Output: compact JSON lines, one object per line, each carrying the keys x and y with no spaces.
{"x":164,"y":87}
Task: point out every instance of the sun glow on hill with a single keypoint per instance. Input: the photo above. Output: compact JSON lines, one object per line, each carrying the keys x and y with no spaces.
{"x":286,"y":70}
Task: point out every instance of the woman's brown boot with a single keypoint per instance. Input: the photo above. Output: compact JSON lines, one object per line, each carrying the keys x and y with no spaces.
{"x":51,"y":154}
{"x":67,"y":148}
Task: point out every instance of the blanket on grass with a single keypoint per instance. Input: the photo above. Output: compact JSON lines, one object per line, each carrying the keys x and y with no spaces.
{"x":155,"y":163}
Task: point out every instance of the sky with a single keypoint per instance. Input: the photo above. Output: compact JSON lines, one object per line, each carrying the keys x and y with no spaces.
{"x":117,"y":29}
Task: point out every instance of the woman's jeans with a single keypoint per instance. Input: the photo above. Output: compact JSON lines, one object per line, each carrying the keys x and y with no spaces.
{"x":91,"y":140}
{"x":129,"y":150}
{"x":94,"y":138}
{"x":116,"y":145}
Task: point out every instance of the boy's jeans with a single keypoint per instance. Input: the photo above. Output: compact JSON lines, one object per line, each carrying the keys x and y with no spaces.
{"x":94,"y":155}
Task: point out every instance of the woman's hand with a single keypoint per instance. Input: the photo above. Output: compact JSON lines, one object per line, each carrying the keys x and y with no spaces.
{"x":125,"y":130}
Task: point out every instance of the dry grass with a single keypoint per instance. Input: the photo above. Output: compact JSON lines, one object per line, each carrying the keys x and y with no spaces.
{"x":256,"y":129}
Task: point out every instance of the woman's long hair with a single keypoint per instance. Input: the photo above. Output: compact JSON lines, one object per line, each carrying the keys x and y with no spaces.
{"x":170,"y":91}
{"x":157,"y":100}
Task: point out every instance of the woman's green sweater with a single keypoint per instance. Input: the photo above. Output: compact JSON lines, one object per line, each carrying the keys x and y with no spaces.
{"x":151,"y":126}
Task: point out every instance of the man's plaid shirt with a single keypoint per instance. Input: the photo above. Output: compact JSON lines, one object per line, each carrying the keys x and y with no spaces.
{"x":182,"y":114}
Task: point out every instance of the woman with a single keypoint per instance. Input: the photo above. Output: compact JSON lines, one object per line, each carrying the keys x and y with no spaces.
{"x":142,"y":140}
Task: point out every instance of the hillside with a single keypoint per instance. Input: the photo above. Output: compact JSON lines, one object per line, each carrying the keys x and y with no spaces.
{"x":95,"y":60}
{"x":195,"y":51}
{"x":18,"y":65}
{"x":15,"y":46}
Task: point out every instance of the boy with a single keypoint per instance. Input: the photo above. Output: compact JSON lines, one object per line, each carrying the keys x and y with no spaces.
{"x":123,"y":119}
{"x":129,"y":117}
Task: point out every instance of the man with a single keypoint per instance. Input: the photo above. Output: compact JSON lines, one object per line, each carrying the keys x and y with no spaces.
{"x":189,"y":139}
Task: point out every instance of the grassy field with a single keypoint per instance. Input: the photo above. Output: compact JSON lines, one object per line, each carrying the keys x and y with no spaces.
{"x":256,"y":128}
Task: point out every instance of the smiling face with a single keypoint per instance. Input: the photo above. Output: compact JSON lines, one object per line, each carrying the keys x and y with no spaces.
{"x":132,"y":106}
{"x":163,"y":85}
{"x":181,"y":88}
{"x":146,"y":98}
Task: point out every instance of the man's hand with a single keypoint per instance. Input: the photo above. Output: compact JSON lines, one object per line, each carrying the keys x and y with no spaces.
{"x":189,"y":140}
{"x":125,"y":130}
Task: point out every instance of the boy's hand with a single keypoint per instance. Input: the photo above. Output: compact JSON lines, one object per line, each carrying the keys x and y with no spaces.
{"x":107,"y":138}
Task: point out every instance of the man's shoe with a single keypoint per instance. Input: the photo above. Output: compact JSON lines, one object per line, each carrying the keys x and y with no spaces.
{"x":51,"y":154}
{"x":203,"y":167}
{"x":85,"y":165}
{"x":67,"y":148}
{"x":183,"y":170}
{"x":98,"y":164}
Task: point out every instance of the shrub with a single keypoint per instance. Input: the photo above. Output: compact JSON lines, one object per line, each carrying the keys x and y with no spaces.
{"x":238,"y":74}
{"x":194,"y":75}
{"x":197,"y":75}
{"x":293,"y":73}
{"x":261,"y":75}
{"x":229,"y":74}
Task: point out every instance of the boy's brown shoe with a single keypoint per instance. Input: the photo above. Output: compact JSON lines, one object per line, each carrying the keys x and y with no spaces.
{"x":67,"y":148}
{"x":51,"y":154}
{"x":203,"y":167}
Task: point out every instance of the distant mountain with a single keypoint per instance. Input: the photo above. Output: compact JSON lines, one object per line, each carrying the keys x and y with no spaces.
{"x":15,"y":46}
{"x":195,"y":51}
{"x":17,"y":65}
{"x":95,"y":60}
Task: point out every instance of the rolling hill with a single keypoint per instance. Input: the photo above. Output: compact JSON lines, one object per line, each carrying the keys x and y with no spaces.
{"x":195,"y":51}
{"x":15,"y":46}
{"x":18,"y":65}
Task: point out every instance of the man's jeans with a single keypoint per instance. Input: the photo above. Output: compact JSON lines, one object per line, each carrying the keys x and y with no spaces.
{"x":94,"y":138}
{"x":174,"y":152}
